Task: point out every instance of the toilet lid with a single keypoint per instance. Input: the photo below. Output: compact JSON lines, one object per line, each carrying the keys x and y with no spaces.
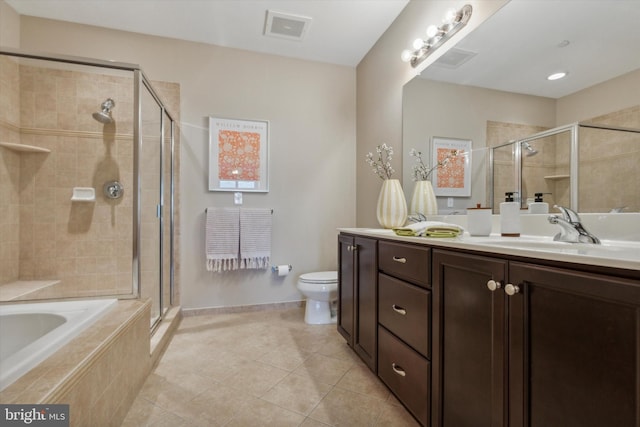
{"x":320,"y":277}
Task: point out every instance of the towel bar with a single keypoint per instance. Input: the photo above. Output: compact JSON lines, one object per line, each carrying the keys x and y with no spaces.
{"x":206,"y":209}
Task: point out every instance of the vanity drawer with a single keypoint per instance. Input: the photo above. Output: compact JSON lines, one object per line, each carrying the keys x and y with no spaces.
{"x":405,"y":310}
{"x":406,"y":373}
{"x":408,"y":262}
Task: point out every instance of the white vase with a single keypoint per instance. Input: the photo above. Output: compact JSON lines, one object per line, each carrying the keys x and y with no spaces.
{"x":392,"y":206}
{"x":423,"y":199}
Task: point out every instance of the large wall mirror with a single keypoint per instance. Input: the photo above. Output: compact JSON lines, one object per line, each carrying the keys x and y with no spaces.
{"x":492,"y":88}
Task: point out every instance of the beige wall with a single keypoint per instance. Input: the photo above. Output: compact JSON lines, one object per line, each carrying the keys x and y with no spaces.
{"x":380,"y":78}
{"x":613,"y":95}
{"x":311,"y":110}
{"x":9,"y":26}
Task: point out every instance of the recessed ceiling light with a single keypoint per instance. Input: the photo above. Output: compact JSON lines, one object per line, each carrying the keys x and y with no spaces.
{"x":556,"y":76}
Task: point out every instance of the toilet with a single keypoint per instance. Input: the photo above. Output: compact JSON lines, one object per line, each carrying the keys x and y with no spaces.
{"x":321,"y":290}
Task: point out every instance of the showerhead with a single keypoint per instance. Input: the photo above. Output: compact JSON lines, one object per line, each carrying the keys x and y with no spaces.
{"x":530,"y":150}
{"x":104,"y":116}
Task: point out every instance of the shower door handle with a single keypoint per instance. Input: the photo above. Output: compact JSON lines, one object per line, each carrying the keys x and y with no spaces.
{"x":159,"y":211}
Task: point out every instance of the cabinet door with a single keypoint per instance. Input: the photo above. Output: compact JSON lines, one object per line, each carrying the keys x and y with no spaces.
{"x":469,"y":328}
{"x":346,"y":294}
{"x":574,"y":349}
{"x":366,"y":288}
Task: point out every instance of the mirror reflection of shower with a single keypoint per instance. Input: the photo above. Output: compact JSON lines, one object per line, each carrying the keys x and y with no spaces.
{"x":530,"y":151}
{"x":104,"y":116}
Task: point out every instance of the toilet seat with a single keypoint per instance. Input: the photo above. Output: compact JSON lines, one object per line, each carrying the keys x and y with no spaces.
{"x":320,"y":277}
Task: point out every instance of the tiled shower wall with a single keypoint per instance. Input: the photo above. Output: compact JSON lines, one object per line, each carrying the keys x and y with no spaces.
{"x":9,"y":171}
{"x":609,"y":164}
{"x":86,"y":245}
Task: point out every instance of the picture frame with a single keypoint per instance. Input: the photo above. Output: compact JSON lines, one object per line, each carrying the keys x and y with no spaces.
{"x":238,"y":155}
{"x":453,"y":180}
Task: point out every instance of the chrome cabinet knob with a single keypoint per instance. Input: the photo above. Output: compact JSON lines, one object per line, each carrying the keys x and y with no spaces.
{"x":493,"y":285}
{"x":352,"y":248}
{"x":511,"y":289}
{"x":401,"y":260}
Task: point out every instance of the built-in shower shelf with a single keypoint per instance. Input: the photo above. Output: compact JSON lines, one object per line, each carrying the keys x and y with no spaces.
{"x":556,"y":177}
{"x":24,"y":148}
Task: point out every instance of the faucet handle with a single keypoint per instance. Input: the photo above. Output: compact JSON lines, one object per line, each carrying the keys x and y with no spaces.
{"x":568,"y":214}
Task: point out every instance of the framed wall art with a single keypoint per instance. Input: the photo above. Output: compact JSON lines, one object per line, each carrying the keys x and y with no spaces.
{"x":454,"y":179}
{"x":238,"y":155}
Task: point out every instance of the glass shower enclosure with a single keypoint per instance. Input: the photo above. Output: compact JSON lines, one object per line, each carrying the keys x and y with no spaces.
{"x":588,"y":167}
{"x":87,"y":179}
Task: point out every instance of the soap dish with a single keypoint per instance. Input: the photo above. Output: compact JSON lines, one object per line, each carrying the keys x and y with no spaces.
{"x":83,"y":194}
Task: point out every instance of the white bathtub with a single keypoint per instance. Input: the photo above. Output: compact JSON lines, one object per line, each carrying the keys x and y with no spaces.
{"x":29,"y":333}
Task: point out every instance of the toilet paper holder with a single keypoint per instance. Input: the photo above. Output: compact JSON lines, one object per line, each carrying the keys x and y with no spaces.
{"x":276,"y":268}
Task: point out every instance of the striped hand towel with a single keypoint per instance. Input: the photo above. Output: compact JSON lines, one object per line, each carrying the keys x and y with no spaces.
{"x":255,"y":238}
{"x":222,"y":238}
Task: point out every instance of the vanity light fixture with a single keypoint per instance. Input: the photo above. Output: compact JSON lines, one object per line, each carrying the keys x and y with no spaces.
{"x":557,"y":76}
{"x":453,"y":22}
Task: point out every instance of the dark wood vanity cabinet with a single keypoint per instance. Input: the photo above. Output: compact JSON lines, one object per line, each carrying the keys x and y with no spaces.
{"x":358,"y":295}
{"x":469,"y":328}
{"x":404,"y":324}
{"x":519,"y":344}
{"x":467,"y":338}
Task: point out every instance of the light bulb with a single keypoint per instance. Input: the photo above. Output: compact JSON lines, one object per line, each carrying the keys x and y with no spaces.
{"x":406,"y":55}
{"x":450,"y":16}
{"x":418,"y":44}
{"x":432,"y":31}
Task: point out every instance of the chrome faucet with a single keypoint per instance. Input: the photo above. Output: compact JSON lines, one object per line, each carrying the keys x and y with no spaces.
{"x":571,"y":229}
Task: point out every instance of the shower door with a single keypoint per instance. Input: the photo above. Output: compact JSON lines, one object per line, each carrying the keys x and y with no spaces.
{"x":154,"y":173}
{"x":103,"y":123}
{"x":167,"y":211}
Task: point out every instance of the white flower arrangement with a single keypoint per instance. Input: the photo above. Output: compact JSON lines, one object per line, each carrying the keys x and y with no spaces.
{"x":421,"y":172}
{"x":382,"y":165}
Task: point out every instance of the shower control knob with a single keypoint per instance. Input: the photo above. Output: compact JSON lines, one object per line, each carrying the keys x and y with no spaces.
{"x":113,"y":190}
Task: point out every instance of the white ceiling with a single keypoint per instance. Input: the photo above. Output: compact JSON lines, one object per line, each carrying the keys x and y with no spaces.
{"x":341,"y":31}
{"x":517,"y":48}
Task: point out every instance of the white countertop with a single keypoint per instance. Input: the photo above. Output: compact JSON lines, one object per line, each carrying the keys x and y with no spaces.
{"x":611,"y":253}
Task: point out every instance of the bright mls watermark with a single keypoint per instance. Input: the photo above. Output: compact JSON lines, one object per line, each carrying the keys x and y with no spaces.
{"x":34,"y":415}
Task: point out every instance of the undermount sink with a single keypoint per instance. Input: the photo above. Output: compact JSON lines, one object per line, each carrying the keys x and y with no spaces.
{"x":626,"y":250}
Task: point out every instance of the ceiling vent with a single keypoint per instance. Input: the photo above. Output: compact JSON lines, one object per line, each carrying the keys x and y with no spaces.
{"x":286,"y":25}
{"x":454,"y":57}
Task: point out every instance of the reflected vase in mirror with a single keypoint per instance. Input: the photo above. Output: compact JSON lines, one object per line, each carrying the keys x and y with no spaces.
{"x":423,"y":200}
{"x":392,"y":206}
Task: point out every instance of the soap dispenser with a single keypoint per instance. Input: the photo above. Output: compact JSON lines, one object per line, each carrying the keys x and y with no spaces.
{"x":538,"y":206}
{"x":509,"y":216}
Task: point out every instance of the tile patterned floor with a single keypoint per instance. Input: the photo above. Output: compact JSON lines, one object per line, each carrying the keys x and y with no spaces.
{"x":263,"y":368}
